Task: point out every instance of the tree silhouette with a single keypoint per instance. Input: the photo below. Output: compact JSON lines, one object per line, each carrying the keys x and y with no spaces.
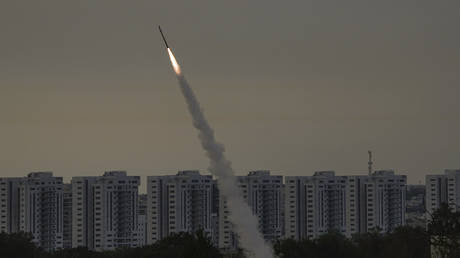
{"x":17,"y":245}
{"x":444,"y":231}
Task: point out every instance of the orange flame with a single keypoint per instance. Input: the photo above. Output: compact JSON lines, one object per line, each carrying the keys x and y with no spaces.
{"x":174,"y":62}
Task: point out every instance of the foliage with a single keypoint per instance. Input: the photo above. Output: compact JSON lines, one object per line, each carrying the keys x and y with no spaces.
{"x":444,"y":229}
{"x":182,"y":245}
{"x":404,"y":242}
{"x":17,"y":245}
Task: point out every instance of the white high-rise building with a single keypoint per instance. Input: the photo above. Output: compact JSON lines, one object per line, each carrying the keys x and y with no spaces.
{"x":264,"y":194}
{"x":115,"y":211}
{"x":41,"y":209}
{"x":381,"y":201}
{"x":443,"y":189}
{"x":315,"y":204}
{"x":346,"y":204}
{"x":9,"y":204}
{"x":105,"y":211}
{"x":179,"y":203}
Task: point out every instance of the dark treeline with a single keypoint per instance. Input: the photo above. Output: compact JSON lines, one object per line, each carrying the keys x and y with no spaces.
{"x":442,"y":237}
{"x":182,"y":245}
{"x":404,"y":242}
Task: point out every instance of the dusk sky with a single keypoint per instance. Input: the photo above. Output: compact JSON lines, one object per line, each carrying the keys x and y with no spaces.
{"x":290,"y":86}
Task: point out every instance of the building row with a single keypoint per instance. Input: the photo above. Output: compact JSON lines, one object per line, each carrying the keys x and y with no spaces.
{"x":95,"y":212}
{"x":107,"y":212}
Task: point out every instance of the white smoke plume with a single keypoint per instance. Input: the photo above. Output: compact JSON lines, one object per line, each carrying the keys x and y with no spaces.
{"x":245,"y":223}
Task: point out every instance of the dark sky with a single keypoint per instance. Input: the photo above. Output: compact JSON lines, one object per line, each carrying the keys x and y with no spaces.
{"x":291,"y":86}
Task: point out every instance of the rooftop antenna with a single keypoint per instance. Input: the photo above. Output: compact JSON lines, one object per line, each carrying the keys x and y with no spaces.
{"x":370,"y":163}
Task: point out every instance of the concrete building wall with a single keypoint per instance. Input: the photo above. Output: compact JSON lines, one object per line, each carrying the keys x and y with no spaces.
{"x":142,"y":219}
{"x":264,"y":194}
{"x":83,"y":212}
{"x":385,"y":196}
{"x":355,"y":205}
{"x":9,"y":204}
{"x":180,"y":203}
{"x":105,"y":211}
{"x":315,"y":205}
{"x":115,"y":211}
{"x":442,"y":188}
{"x":41,"y":209}
{"x":346,"y":204}
{"x":67,"y":216}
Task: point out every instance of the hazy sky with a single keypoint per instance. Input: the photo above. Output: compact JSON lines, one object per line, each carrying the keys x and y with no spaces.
{"x":290,"y":86}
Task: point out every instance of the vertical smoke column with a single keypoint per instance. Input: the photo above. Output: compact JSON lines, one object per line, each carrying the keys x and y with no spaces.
{"x":245,"y":222}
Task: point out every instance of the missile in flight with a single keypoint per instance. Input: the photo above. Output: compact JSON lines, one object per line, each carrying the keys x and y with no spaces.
{"x":163,"y":36}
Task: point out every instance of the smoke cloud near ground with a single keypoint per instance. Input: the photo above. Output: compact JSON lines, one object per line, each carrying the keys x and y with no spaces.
{"x":245,"y":223}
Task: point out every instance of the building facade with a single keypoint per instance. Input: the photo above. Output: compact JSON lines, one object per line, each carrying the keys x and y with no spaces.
{"x":443,"y":188}
{"x":179,"y":203}
{"x":264,"y":194}
{"x":115,"y":211}
{"x":346,"y":204}
{"x":381,"y":201}
{"x":9,"y":204}
{"x":41,"y":209}
{"x":83,"y":212}
{"x":105,"y":211}
{"x":314,"y":205}
{"x":67,"y":216}
{"x":142,"y":219}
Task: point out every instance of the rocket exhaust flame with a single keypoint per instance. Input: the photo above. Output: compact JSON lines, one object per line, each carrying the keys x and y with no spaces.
{"x":174,"y":63}
{"x":245,"y":223}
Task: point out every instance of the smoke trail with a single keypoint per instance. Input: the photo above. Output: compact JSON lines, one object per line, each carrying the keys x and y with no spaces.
{"x":241,"y":216}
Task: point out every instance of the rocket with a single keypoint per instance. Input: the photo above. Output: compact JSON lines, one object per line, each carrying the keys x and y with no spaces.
{"x":163,"y":36}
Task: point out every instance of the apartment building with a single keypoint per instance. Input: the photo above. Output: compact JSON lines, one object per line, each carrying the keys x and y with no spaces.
{"x":41,"y":209}
{"x":383,"y":201}
{"x":115,"y":211}
{"x":315,"y":204}
{"x":443,"y":188}
{"x":179,"y":203}
{"x":264,"y":194}
{"x":346,"y":204}
{"x":105,"y":211}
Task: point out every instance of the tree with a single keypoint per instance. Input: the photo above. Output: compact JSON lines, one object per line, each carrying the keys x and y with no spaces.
{"x":407,"y":242}
{"x":444,"y":232}
{"x":330,"y":245}
{"x":180,"y":245}
{"x":370,"y":245}
{"x":290,"y":248}
{"x":17,"y":245}
{"x":335,"y":245}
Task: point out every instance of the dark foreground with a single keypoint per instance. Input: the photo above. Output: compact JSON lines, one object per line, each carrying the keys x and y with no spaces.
{"x":442,"y":235}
